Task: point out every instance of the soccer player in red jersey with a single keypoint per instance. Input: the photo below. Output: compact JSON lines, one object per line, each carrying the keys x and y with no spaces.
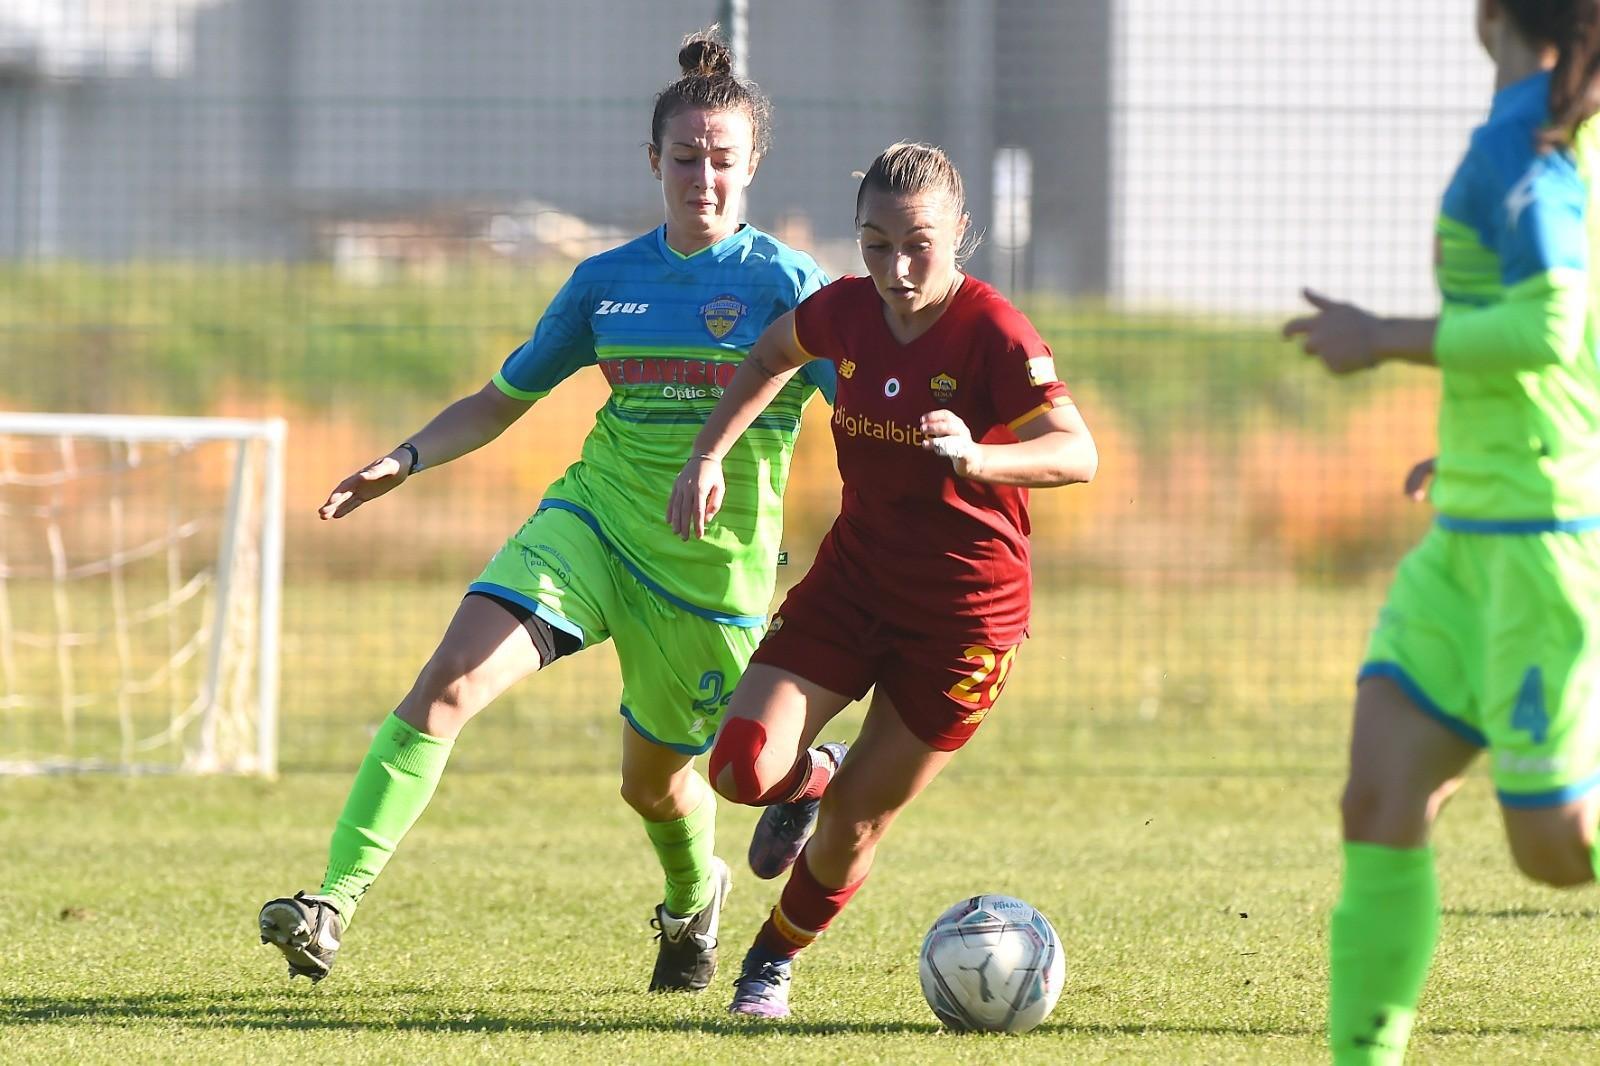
{"x":948,"y":409}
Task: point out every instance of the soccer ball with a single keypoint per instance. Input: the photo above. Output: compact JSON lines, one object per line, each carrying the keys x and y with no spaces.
{"x":992,"y":963}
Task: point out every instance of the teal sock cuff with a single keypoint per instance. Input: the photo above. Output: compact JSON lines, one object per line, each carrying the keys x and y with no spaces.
{"x":408,"y":749}
{"x":690,"y":826}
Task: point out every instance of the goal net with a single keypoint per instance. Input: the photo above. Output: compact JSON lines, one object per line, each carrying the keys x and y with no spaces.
{"x":140,"y":566}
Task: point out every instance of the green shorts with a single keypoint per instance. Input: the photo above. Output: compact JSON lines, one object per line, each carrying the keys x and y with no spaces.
{"x":678,"y":668}
{"x":1497,"y":637}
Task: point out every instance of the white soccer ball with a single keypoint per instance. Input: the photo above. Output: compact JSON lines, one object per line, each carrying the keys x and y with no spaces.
{"x":992,"y":963}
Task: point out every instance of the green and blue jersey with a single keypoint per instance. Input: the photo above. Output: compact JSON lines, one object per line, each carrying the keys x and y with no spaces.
{"x":668,"y":331}
{"x":1519,"y":422}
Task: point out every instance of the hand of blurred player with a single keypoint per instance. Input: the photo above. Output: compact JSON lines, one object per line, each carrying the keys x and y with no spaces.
{"x":1342,"y":335}
{"x":368,"y":483}
{"x":696,"y":496}
{"x":1417,"y":480}
{"x":947,"y":436}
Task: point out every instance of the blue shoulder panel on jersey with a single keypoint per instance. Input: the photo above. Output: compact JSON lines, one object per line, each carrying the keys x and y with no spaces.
{"x":1542,"y":221}
{"x":1526,"y":206}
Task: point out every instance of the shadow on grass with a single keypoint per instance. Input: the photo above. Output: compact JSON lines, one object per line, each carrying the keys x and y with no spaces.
{"x":271,"y":1011}
{"x":1521,"y":912}
{"x":274,"y":1011}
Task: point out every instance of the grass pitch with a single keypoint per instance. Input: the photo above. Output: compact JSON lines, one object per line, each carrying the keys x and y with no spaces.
{"x":1171,"y":809}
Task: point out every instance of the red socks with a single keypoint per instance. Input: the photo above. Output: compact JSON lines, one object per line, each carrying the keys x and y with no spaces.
{"x":804,"y":910}
{"x":806,"y":780}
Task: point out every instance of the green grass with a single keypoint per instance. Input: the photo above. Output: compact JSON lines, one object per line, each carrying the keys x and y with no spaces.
{"x":1168,"y":803}
{"x":175,"y":337}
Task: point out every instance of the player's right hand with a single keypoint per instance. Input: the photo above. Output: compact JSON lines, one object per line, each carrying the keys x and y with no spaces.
{"x":696,"y":496}
{"x":368,"y":483}
{"x":1417,"y":480}
{"x":1342,"y":335}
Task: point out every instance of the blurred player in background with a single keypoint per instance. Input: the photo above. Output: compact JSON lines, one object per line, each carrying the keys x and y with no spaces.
{"x":667,"y":318}
{"x":948,"y":408}
{"x":1490,"y":638}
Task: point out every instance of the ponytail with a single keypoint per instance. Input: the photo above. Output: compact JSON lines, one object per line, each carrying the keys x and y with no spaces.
{"x":1572,"y":28}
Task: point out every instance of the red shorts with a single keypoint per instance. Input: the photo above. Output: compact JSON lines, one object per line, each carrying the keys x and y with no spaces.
{"x":942,"y":687}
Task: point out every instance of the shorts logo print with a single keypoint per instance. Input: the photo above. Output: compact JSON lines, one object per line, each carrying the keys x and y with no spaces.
{"x":542,"y":559}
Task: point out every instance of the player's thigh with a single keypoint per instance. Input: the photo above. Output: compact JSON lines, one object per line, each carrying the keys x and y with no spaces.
{"x":819,"y":654}
{"x":1555,"y":845}
{"x":484,"y":651}
{"x":1404,"y":764}
{"x":556,"y":569}
{"x":678,"y":669}
{"x":1542,"y":693}
{"x":775,"y":714}
{"x":1418,"y":717}
{"x":887,"y":767}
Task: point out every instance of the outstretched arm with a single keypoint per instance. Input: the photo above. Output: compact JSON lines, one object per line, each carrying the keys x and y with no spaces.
{"x":1348,"y":338}
{"x":464,"y":426}
{"x":773,"y":360}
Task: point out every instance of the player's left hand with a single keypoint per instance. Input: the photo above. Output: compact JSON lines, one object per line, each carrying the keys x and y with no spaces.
{"x":696,"y":496}
{"x":1417,"y":480}
{"x":946,"y":435}
{"x":1342,"y":335}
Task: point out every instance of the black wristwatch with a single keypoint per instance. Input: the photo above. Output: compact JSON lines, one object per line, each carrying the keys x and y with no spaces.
{"x":416,"y":460}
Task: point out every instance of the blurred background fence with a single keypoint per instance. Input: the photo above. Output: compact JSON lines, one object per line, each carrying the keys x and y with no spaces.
{"x":345,"y":213}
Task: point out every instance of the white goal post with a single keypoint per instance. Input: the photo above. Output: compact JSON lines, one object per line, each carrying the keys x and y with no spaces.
{"x":141,"y":567}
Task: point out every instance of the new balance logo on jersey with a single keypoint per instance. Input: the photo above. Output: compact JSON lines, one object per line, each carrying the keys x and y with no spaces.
{"x":618,"y":307}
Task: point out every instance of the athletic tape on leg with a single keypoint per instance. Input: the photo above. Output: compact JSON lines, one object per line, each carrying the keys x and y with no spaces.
{"x":738,"y":746}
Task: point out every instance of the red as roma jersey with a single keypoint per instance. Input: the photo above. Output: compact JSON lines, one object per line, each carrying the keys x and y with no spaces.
{"x":922,"y":548}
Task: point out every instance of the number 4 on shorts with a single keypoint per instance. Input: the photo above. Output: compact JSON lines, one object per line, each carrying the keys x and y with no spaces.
{"x":1529,"y":714}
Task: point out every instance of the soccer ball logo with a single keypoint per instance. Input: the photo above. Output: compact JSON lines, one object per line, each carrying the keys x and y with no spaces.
{"x":992,"y":963}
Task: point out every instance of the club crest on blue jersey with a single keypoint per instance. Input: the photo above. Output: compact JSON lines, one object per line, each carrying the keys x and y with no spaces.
{"x":721,"y":315}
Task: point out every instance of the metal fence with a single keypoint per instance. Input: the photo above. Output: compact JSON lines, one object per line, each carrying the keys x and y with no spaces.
{"x":345,"y":212}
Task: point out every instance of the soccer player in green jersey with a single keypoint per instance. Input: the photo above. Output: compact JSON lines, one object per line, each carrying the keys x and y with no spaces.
{"x":667,"y":318}
{"x":1490,"y":638}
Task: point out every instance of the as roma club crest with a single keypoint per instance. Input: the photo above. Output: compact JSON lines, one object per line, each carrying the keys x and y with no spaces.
{"x":722,"y":314}
{"x":943,"y":387}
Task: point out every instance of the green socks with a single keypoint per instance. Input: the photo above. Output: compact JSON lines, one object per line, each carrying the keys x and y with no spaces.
{"x":1380,"y":945}
{"x":394,"y":784}
{"x":684,"y":848}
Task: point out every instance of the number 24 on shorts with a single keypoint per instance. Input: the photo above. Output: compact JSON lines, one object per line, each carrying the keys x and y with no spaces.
{"x":983,"y":684}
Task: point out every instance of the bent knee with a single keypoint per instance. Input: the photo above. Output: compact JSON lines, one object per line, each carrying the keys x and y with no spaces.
{"x":1371,"y":812}
{"x":1396,"y":813}
{"x":643,"y":795}
{"x":737,"y":769}
{"x":445,"y":697}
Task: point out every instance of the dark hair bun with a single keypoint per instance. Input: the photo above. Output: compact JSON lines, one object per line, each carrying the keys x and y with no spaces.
{"x":705,"y":56}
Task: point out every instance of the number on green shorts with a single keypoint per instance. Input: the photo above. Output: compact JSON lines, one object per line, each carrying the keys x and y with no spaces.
{"x":1529,"y":714}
